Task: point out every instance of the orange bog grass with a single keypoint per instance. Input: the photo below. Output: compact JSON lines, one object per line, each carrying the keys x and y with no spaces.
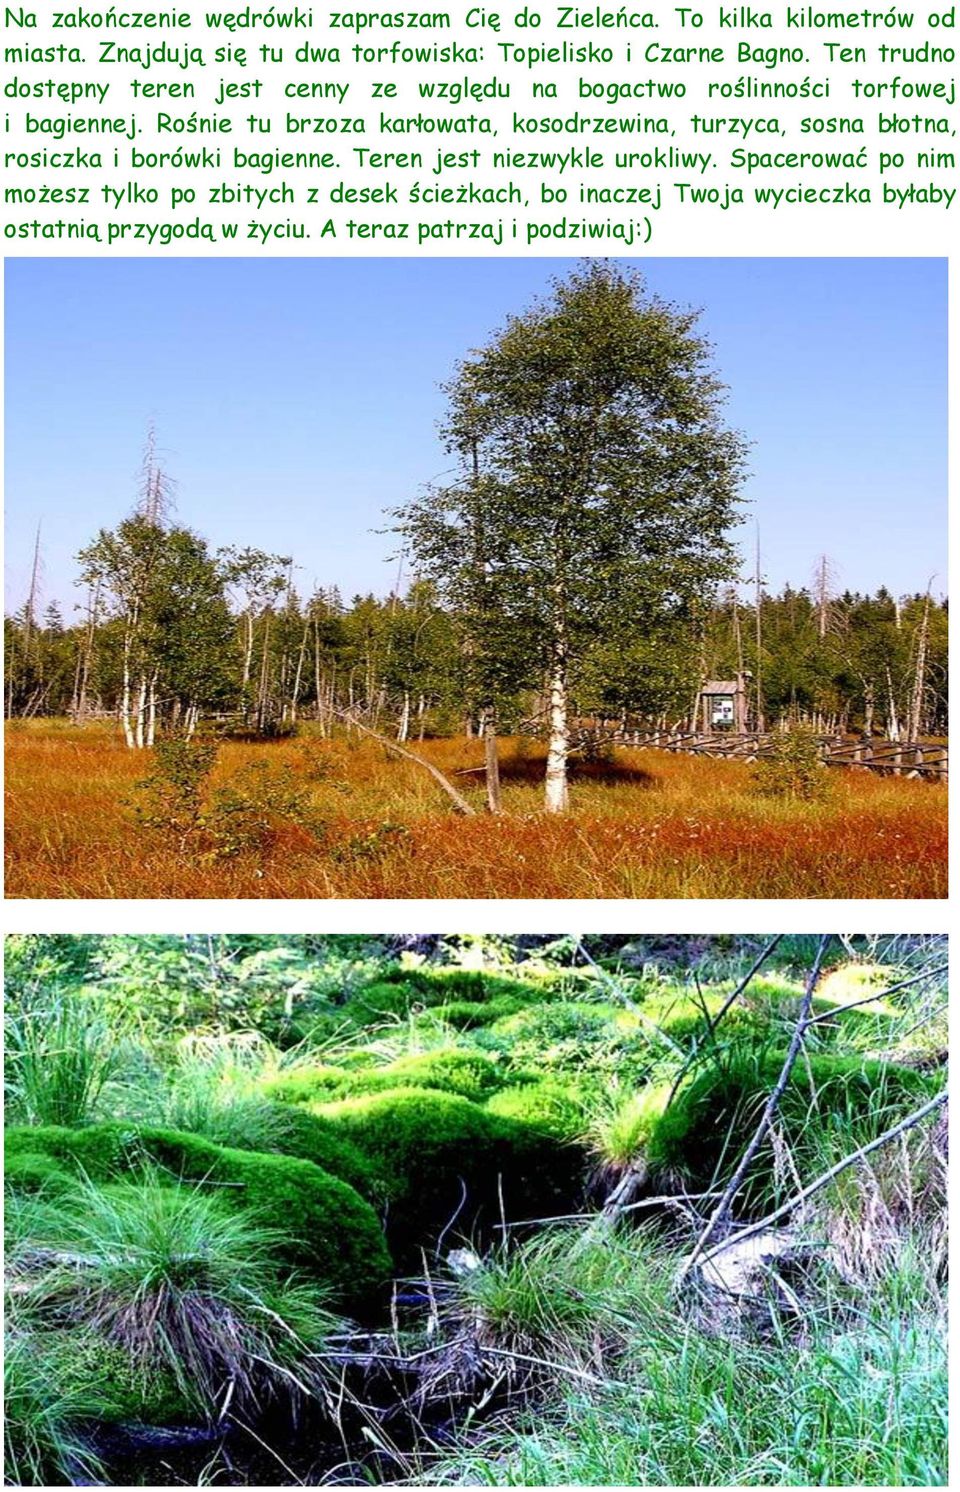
{"x":648,"y":824}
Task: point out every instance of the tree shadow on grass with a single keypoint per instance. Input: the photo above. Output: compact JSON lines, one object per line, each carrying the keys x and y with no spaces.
{"x":523,"y":768}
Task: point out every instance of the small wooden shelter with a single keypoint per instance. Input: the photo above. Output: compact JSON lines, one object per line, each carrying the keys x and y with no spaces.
{"x":723,"y":706}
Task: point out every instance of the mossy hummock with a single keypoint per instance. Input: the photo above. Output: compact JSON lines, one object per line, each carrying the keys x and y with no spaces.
{"x":324,"y":1227}
{"x":450,"y":1165}
{"x":703,"y":1131}
{"x":547,"y":1105}
{"x":447,"y":1070}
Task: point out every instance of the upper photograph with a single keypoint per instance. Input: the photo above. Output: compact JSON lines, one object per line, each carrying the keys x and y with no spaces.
{"x":476,"y":578}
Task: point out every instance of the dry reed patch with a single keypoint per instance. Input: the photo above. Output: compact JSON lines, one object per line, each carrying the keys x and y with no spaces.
{"x":652,"y":824}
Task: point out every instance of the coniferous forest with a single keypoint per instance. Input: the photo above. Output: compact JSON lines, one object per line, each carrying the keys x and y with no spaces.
{"x":226,"y":635}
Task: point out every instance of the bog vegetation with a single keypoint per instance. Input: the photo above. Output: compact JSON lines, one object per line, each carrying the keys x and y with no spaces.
{"x":344,"y":817}
{"x":540,"y":1211}
{"x":576,"y":571}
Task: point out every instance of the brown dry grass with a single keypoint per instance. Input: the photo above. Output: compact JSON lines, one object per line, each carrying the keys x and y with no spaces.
{"x":649,"y":825}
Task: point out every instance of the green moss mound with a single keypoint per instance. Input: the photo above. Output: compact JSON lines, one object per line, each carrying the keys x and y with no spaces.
{"x":324,"y":1226}
{"x":306,"y":1085}
{"x":578,"y":1042}
{"x":548,"y":1106}
{"x":84,"y":1362}
{"x":471,"y":1015}
{"x":443,"y":1157}
{"x":705,"y":1129}
{"x":29,"y":1173}
{"x":469,"y":1074}
{"x":398,"y":990}
{"x":307,"y":1136}
{"x":450,"y":1070}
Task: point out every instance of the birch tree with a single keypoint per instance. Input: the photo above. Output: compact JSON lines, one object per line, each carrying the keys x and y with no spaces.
{"x":165,"y":594}
{"x":590,"y":429}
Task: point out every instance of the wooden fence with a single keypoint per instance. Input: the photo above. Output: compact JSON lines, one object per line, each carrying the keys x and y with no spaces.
{"x":895,"y":758}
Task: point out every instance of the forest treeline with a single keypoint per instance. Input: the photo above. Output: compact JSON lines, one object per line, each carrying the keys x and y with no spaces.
{"x":174,"y":631}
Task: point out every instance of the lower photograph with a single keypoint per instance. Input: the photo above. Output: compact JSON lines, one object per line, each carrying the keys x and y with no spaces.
{"x":479,"y":1210}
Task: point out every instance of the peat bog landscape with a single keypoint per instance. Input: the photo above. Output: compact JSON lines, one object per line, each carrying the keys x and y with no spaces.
{"x":560,"y":668}
{"x":475,"y":1210}
{"x":321,"y":817}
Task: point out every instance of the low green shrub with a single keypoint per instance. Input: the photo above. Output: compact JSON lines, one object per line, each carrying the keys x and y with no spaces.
{"x":322,"y":1225}
{"x":793,"y":771}
{"x":446,"y":1161}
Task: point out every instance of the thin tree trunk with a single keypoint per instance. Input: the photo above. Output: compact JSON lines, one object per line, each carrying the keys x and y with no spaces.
{"x":125,"y":695}
{"x":247,"y":650}
{"x":761,"y":722}
{"x":403,"y":729}
{"x":299,"y":673}
{"x":262,"y":691}
{"x":458,"y":800}
{"x":893,"y":719}
{"x":556,"y":792}
{"x":318,"y":679}
{"x":491,"y":760}
{"x":920,"y":681}
{"x":140,"y":711}
{"x":152,"y":711}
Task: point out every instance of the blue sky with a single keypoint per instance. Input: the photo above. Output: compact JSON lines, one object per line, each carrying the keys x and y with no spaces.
{"x":295,"y":400}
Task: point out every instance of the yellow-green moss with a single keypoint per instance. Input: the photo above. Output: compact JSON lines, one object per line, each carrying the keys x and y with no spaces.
{"x":325,"y":1226}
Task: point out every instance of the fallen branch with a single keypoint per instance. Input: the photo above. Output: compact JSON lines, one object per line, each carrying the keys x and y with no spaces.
{"x":722,"y":1210}
{"x":829,"y":1015}
{"x":555,"y":1367}
{"x":713,"y":1023}
{"x":823,"y":1180}
{"x":625,"y":999}
{"x":671,"y":1199}
{"x":459,"y":802}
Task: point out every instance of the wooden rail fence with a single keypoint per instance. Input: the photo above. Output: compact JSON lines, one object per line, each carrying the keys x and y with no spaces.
{"x":896,"y":758}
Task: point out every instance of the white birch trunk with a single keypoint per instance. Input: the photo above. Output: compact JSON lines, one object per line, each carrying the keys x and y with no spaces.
{"x":556,"y":793}
{"x":403,"y":729}
{"x":125,"y":696}
{"x":893,"y":720}
{"x":491,"y":761}
{"x":920,"y":678}
{"x":140,"y":712}
{"x":152,"y":712}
